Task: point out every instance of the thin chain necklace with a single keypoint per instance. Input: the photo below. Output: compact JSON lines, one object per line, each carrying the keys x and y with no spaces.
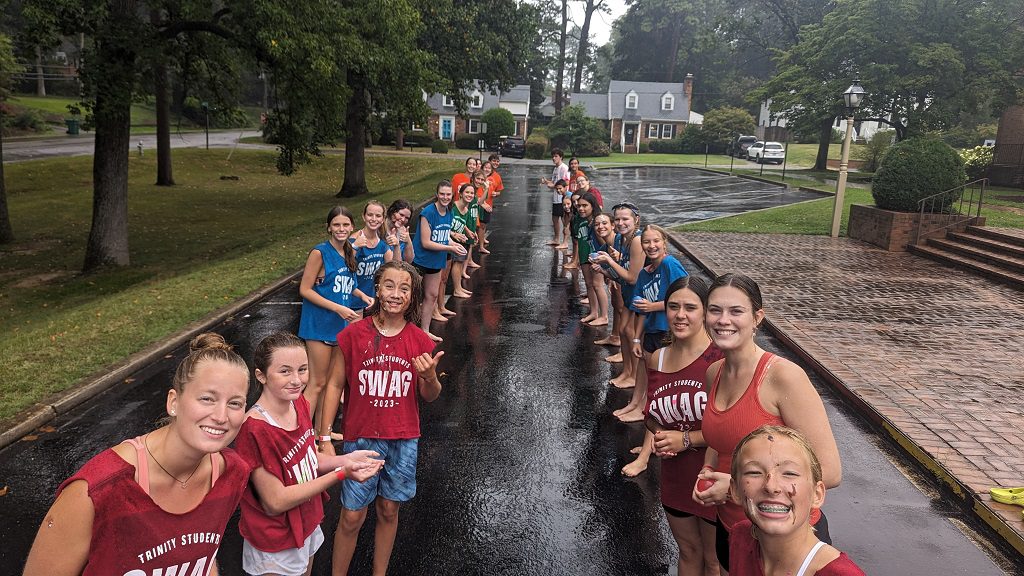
{"x":183,"y":483}
{"x":380,"y":326}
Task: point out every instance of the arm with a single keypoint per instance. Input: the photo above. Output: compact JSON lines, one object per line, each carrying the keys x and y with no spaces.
{"x":62,"y":544}
{"x":801,"y":408}
{"x":389,"y":255}
{"x":314,"y":264}
{"x":638,"y":330}
{"x":636,"y":260}
{"x":328,"y":407}
{"x":362,"y":296}
{"x":276,"y":498}
{"x":426,"y":368}
{"x":429,"y":244}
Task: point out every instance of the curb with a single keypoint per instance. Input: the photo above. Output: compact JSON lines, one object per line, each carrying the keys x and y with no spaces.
{"x":978,"y":507}
{"x":106,"y":378}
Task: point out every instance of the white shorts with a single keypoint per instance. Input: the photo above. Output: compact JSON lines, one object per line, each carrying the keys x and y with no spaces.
{"x":291,"y":562}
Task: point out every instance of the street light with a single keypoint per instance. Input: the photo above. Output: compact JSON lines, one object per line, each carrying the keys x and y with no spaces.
{"x":852,"y":98}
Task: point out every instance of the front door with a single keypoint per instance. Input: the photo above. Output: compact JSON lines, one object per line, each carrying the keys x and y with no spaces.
{"x":629,"y":138}
{"x":447,"y":128}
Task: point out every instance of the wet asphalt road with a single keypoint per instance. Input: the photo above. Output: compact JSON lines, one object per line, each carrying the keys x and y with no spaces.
{"x":520,"y":458}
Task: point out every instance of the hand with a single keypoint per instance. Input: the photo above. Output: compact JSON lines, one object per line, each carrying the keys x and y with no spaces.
{"x":717,"y":493}
{"x":472,"y":234}
{"x":457,"y":249}
{"x":360,"y":240}
{"x":392,"y":240}
{"x":360,"y":465}
{"x":326,"y":449}
{"x":668,"y":443}
{"x":487,"y":207}
{"x":348,"y":314}
{"x":426,"y":365}
{"x":614,"y":254}
{"x":369,"y":301}
{"x":643,"y":305}
{"x":600,"y":257}
{"x":638,"y":350}
{"x":597,"y":268}
{"x":458,"y":237}
{"x":403,"y":234}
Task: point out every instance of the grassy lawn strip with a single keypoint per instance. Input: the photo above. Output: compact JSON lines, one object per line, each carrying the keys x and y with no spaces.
{"x":195,"y":247}
{"x":812,"y":217}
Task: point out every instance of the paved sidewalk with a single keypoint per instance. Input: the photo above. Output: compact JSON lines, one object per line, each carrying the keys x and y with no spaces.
{"x":933,"y":355}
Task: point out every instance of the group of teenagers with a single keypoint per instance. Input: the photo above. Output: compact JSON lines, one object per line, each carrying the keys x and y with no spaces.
{"x":159,"y":504}
{"x":745,"y":446}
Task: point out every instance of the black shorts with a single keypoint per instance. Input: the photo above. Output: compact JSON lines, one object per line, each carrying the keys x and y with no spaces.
{"x":680,"y":514}
{"x":485,"y":216}
{"x":424,"y":271}
{"x":722,"y":539}
{"x":557,"y":211}
{"x":653,"y":340}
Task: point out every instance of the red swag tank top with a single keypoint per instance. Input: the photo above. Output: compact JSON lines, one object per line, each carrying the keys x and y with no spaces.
{"x":677,"y":401}
{"x":723,"y":429}
{"x":132,"y":536}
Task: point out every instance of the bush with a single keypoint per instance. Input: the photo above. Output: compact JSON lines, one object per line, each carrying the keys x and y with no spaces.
{"x":963,"y":137}
{"x":439,"y":147}
{"x":536,"y":146}
{"x":616,"y":147}
{"x":231,"y":117}
{"x":573,"y":130}
{"x":500,"y":122}
{"x":466,"y":141}
{"x":673,"y":146}
{"x":645,"y":147}
{"x":418,"y":138}
{"x":873,"y":152}
{"x":721,"y":125}
{"x":29,"y":119}
{"x":595,"y":148}
{"x":976,"y":161}
{"x":692,"y":141}
{"x":915,"y":169}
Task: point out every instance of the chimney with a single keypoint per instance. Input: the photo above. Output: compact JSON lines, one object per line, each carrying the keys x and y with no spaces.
{"x":688,"y":90}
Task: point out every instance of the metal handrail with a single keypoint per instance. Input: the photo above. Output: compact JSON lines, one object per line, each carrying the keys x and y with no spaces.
{"x":943,"y":203}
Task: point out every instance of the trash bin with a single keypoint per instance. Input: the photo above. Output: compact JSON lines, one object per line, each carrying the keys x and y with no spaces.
{"x":73,"y":125}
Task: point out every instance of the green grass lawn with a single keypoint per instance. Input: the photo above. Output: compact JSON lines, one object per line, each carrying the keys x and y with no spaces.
{"x":195,"y":247}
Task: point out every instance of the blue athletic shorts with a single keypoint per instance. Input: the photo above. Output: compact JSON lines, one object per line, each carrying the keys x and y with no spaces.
{"x":396,"y":481}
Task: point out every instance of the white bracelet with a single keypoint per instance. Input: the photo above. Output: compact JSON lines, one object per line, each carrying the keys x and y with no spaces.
{"x":636,"y":340}
{"x":326,"y":438}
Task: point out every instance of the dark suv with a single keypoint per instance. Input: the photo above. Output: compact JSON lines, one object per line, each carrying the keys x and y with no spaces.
{"x":512,"y":146}
{"x":738,"y":147}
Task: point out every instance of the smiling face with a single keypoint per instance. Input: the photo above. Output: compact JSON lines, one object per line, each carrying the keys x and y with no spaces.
{"x":625,"y":221}
{"x":488,"y":169}
{"x":584,"y":208}
{"x":731,"y":319}
{"x":287,"y":374}
{"x":776,"y":485}
{"x":394,"y":291}
{"x":653,"y":244}
{"x":603,"y":226}
{"x":210,"y":408}
{"x":582,"y":183}
{"x":401,"y":217}
{"x":444,"y":195}
{"x":685,"y":314}
{"x":340,"y":228}
{"x":373,"y":216}
{"x":574,"y":165}
{"x":467,"y":194}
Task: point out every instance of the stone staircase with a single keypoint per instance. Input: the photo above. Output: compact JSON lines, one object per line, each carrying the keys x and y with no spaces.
{"x":996,"y":253}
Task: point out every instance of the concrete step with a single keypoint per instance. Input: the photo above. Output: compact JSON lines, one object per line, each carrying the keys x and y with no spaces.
{"x":1005,"y":236}
{"x":986,"y":243}
{"x":993,"y":257}
{"x":960,"y":261}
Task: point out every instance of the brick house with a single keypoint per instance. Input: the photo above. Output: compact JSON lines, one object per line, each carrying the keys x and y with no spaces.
{"x":444,"y":122}
{"x":638,"y":112}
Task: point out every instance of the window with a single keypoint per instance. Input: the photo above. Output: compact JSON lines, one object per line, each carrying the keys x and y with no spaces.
{"x":515,"y":128}
{"x":631,"y":100}
{"x":474,"y":126}
{"x":477,"y":100}
{"x":652,"y":130}
{"x":446,"y":100}
{"x":667,"y":131}
{"x":668,"y":102}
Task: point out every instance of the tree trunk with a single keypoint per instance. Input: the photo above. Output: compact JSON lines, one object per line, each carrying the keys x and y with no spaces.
{"x":164,"y":174}
{"x":356,"y":116}
{"x":673,"y":53}
{"x":108,"y":236}
{"x":40,"y":77}
{"x":563,"y":32}
{"x":824,"y":139}
{"x":399,"y":139}
{"x":6,"y":232}
{"x":584,"y":45}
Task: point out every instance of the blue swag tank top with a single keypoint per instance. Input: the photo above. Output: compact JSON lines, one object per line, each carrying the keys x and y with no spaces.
{"x":337,"y":285}
{"x":622,"y":245}
{"x":653,"y":286}
{"x":368,"y":260}
{"x":440,"y":230}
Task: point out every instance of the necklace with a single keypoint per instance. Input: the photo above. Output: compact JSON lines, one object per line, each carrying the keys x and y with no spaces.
{"x":380,"y":326}
{"x":184,"y":483}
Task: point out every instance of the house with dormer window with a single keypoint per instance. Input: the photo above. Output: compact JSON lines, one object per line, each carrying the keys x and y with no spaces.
{"x":445,"y":122}
{"x":638,"y":112}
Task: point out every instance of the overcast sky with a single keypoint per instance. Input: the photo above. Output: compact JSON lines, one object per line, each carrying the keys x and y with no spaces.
{"x":601,"y":25}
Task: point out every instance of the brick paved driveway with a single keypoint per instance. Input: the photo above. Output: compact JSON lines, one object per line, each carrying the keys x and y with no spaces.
{"x":937,"y":353}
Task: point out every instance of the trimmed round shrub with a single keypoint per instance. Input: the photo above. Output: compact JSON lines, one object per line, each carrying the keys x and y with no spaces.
{"x":536,"y":146}
{"x":418,"y":138}
{"x":500,"y":122}
{"x":439,"y":147}
{"x":467,"y":141}
{"x":915,"y":169}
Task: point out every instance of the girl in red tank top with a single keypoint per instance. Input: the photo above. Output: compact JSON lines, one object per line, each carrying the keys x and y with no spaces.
{"x":751,"y":388}
{"x":676,"y":401}
{"x":159,"y":503}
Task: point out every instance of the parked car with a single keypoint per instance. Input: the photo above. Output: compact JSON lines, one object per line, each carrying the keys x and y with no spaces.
{"x":738,"y":147}
{"x":512,"y":146}
{"x":762,"y":152}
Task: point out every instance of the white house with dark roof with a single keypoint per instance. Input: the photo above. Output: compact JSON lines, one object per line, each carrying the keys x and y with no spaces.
{"x":445,"y":122}
{"x":637,"y":112}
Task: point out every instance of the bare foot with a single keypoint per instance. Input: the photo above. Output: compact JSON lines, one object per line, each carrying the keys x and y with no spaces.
{"x":599,"y":322}
{"x":634,"y":468}
{"x":552,"y":242}
{"x":614,"y":358}
{"x":435,"y":338}
{"x":471,"y":264}
{"x":607,"y":341}
{"x":636,"y":449}
{"x":624,"y":409}
{"x":635,"y":415}
{"x":465,"y":276}
{"x":463,"y":294}
{"x":448,"y":312}
{"x":623,"y":382}
{"x":438,"y":318}
{"x":562,"y":247}
{"x":483,"y":250}
{"x":586,"y":319}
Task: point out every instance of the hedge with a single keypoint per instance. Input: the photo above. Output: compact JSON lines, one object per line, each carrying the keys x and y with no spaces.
{"x":915,"y":169}
{"x":536,"y":146}
{"x":439,"y":147}
{"x":467,"y":141}
{"x":418,"y":138}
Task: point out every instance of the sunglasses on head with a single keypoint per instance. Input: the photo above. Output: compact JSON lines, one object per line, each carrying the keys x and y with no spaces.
{"x":629,"y":206}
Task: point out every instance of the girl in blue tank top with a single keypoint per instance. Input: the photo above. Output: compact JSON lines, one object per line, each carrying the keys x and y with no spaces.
{"x":371,"y":250}
{"x":329,"y":292}
{"x":432,"y":243}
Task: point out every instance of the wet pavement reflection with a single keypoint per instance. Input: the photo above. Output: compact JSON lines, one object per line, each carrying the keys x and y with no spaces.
{"x":520,"y":457}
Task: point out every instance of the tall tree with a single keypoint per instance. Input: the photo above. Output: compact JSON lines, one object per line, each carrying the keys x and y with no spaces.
{"x":560,"y":70}
{"x":8,"y":66}
{"x":583,"y":51}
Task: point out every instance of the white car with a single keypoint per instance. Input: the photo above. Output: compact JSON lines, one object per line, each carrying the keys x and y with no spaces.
{"x":762,"y":152}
